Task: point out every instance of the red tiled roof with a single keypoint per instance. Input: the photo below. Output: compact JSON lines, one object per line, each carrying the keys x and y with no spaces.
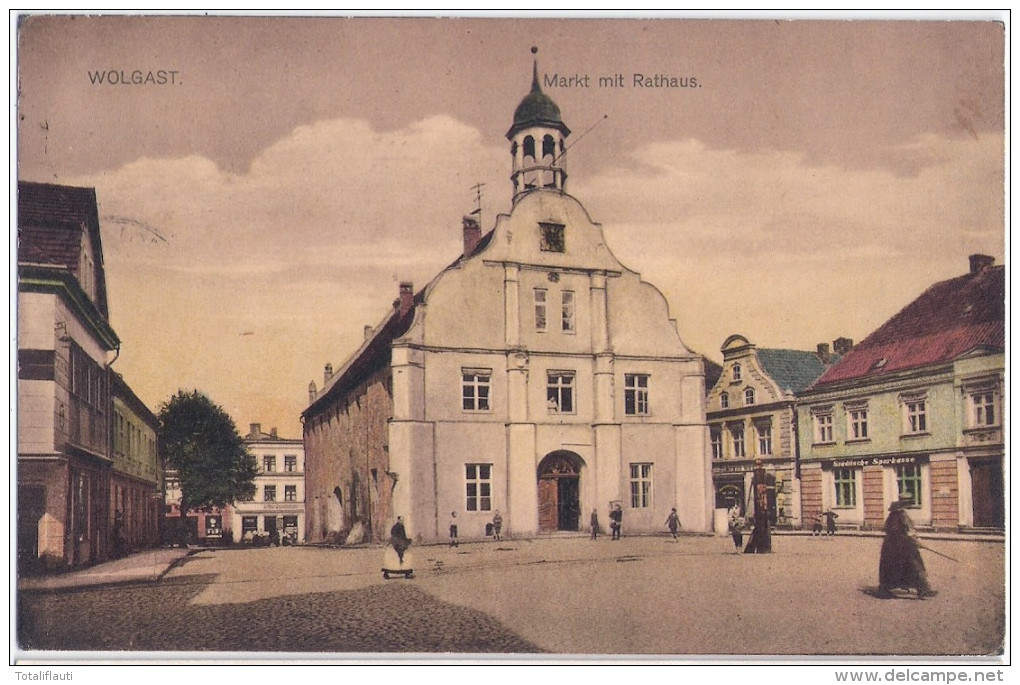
{"x":948,"y":320}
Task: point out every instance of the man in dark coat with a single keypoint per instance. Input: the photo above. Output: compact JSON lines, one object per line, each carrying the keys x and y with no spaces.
{"x":616,"y":520}
{"x":900,"y":565}
{"x":398,"y":538}
{"x":761,"y":537}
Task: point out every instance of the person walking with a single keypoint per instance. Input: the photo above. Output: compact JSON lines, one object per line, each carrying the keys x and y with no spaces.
{"x":830,"y":521}
{"x":398,"y":539}
{"x":454,"y":541}
{"x":673,"y":523}
{"x":736,"y":528}
{"x":594,"y":524}
{"x":760,"y":541}
{"x":900,"y":564}
{"x":616,"y":520}
{"x":497,"y":525}
{"x":396,"y":560}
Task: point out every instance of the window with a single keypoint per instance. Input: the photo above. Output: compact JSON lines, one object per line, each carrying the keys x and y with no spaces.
{"x":917,"y":416}
{"x":749,"y":396}
{"x":764,"y":439}
{"x":478,"y":487}
{"x":529,"y":147}
{"x":984,"y":408}
{"x":724,"y":400}
{"x":908,"y":482}
{"x":845,"y":481}
{"x":857,"y":423}
{"x":560,"y":392}
{"x":715,"y":436}
{"x":823,"y":427}
{"x":290,"y":464}
{"x":640,"y":486}
{"x":540,"y":311}
{"x":475,"y":389}
{"x":635,"y":393}
{"x":568,"y":311}
{"x":548,"y":146}
{"x":269,"y":463}
{"x":736,"y":372}
{"x":249,"y":524}
{"x":269,"y":493}
{"x":737,"y":432}
{"x":290,"y":493}
{"x":551,"y":238}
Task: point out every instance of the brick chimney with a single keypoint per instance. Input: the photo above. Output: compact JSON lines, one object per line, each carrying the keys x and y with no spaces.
{"x":254,"y":430}
{"x":980,"y":262}
{"x":327,"y":373}
{"x":368,"y":332}
{"x":272,"y":433}
{"x":472,"y":234}
{"x":406,"y":301}
{"x":823,"y":352}
{"x":312,"y":392}
{"x":842,"y":345}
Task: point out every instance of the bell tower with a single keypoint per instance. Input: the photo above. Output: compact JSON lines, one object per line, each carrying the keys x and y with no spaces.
{"x":537,"y":142}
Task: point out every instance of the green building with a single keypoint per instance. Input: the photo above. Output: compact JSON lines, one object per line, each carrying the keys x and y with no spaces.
{"x":915,"y":409}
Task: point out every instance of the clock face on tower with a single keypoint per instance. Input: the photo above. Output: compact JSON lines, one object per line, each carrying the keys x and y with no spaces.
{"x":551,"y":238}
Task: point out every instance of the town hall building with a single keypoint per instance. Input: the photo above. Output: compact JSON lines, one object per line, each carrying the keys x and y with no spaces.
{"x":536,"y":376}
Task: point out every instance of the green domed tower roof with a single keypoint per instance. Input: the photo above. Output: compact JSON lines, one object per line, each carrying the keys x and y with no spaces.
{"x":537,"y":109}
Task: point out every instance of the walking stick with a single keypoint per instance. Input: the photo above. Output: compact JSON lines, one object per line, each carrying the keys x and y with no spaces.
{"x":939,"y":553}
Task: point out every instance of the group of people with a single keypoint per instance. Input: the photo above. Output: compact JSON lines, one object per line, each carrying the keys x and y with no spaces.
{"x":615,"y":521}
{"x":900,"y":563}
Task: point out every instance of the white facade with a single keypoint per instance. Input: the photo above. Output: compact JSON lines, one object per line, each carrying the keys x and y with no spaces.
{"x":542,"y":378}
{"x":279,"y":501}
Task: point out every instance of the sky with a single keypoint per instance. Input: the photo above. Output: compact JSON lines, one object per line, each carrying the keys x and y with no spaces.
{"x":264,"y":193}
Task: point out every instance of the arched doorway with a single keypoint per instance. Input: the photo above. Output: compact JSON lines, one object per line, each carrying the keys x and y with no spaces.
{"x":559,"y":491}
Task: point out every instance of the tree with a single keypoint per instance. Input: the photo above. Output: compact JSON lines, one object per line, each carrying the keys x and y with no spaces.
{"x":201,"y":441}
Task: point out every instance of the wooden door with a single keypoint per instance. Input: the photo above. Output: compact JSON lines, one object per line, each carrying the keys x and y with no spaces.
{"x":988,"y":494}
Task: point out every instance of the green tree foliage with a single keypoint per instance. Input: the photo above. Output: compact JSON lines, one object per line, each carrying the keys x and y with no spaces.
{"x":201,"y":441}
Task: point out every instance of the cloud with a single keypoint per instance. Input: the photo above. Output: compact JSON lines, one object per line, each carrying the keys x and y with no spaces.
{"x":787,"y":251}
{"x":315,"y":236}
{"x":308,"y":245}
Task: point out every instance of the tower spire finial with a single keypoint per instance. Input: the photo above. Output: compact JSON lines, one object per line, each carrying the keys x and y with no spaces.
{"x":535,"y":87}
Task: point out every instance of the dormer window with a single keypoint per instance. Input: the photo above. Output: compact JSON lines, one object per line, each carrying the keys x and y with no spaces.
{"x":736,"y":372}
{"x":724,"y":400}
{"x":749,"y":396}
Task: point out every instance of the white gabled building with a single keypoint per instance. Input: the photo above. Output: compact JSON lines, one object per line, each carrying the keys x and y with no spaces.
{"x":278,"y":506}
{"x":536,"y":375}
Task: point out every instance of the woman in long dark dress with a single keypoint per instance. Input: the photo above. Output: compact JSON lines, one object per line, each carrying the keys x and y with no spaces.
{"x":761,"y":537}
{"x":900,"y":565}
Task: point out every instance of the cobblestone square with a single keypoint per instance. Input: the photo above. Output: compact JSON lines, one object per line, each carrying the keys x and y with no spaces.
{"x":549,"y":596}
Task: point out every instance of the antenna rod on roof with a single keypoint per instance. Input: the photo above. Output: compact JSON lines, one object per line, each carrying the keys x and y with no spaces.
{"x":578,"y":139}
{"x":478,"y":200}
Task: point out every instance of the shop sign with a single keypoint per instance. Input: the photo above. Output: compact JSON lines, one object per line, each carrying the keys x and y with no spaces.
{"x":874,"y":461}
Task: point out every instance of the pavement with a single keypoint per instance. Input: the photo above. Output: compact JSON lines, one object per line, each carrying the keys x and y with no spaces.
{"x":152,"y":565}
{"x":142,"y":567}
